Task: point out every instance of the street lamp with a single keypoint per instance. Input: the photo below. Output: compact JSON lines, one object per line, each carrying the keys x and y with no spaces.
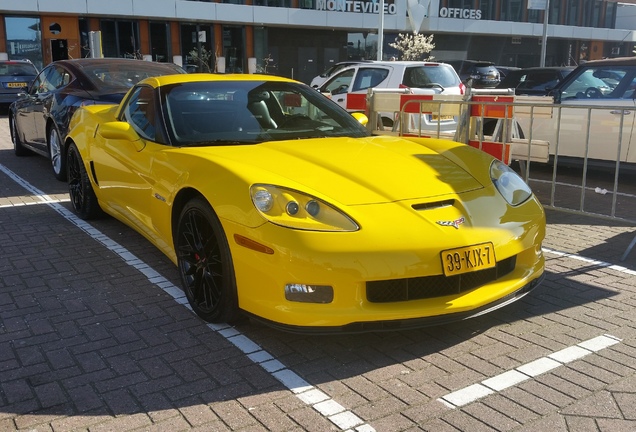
{"x":381,"y":30}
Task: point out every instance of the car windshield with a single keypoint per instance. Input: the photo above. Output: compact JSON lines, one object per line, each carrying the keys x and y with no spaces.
{"x":119,"y":76}
{"x":425,"y":76}
{"x":17,"y":69}
{"x":247,"y":112}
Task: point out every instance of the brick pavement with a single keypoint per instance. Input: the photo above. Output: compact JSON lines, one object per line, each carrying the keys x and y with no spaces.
{"x":90,"y":343}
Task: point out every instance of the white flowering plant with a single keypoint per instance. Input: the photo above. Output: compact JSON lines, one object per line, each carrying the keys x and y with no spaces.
{"x":414,"y":46}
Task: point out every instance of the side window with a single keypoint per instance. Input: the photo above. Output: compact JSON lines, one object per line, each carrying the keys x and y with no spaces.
{"x":339,"y":83}
{"x":49,"y":79}
{"x":369,"y":77}
{"x":141,"y":114}
{"x":599,"y":82}
{"x":38,"y":83}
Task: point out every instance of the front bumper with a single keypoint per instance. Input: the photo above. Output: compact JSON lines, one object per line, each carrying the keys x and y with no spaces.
{"x":385,"y":250}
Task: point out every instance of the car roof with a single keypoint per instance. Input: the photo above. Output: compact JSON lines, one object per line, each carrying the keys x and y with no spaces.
{"x":617,"y":61}
{"x":402,"y":63}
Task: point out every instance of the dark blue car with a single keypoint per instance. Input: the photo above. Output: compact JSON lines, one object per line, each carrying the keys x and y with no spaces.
{"x":39,"y":118}
{"x":15,"y":76}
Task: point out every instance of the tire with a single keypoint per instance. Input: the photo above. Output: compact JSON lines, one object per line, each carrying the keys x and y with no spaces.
{"x":56,"y":154}
{"x":80,"y":189}
{"x":18,"y":148}
{"x":205,"y":263}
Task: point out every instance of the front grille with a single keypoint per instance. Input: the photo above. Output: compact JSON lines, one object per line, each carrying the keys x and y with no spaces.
{"x":396,"y":290}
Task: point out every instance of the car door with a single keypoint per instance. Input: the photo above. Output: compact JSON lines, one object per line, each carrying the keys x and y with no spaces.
{"x":123,"y":166}
{"x":27,"y":108}
{"x":351,"y":89}
{"x":337,"y":86}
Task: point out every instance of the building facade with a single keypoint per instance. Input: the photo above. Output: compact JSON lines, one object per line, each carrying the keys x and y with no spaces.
{"x":300,"y":38}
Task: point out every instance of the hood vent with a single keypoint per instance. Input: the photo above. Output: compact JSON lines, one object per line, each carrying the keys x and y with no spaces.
{"x":433,"y":205}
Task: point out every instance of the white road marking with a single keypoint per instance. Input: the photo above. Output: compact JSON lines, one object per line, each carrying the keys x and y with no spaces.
{"x":597,"y":263}
{"x":529,"y":370}
{"x":321,"y":402}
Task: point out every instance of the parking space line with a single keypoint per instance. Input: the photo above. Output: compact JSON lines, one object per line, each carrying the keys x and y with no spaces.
{"x":307,"y":393}
{"x":528,"y":371}
{"x":591,"y":261}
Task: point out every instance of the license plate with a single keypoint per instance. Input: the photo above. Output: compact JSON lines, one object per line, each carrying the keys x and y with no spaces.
{"x":16,"y":85}
{"x":468,"y":259}
{"x":442,"y":118}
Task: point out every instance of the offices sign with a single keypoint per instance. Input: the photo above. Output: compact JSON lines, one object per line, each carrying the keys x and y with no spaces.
{"x":446,"y":12}
{"x":357,"y":6}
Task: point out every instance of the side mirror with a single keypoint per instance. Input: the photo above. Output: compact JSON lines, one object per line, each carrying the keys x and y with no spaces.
{"x":118,"y":130}
{"x":362,"y":118}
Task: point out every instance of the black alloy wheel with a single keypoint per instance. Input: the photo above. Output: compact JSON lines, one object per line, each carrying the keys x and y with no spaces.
{"x":79,"y":187}
{"x":205,"y":263}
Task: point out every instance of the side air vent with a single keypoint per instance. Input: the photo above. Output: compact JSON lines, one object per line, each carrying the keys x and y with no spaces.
{"x":433,"y":205}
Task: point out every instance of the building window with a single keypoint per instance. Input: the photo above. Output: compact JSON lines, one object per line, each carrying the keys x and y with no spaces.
{"x":512,"y":10}
{"x":24,"y":39}
{"x":233,"y":49}
{"x":120,"y":39}
{"x":461,"y":4}
{"x":273,"y":3}
{"x":160,"y":42}
{"x":306,"y":4}
{"x":535,"y":16}
{"x":610,"y":15}
{"x":487,"y":9}
{"x":196,"y":48}
{"x":572,"y":18}
{"x":555,"y":12}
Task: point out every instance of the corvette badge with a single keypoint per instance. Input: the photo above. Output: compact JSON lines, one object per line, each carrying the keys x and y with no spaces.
{"x":455,"y":223}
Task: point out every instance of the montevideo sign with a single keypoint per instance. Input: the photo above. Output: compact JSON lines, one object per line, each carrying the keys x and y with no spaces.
{"x":356,"y":6}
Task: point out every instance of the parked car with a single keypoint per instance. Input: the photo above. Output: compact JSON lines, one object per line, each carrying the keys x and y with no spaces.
{"x":320,"y":79}
{"x":420,"y":77}
{"x":39,"y":118}
{"x":602,"y":86}
{"x":505,"y":70}
{"x":477,"y":74}
{"x":274,"y":201}
{"x":538,"y":81}
{"x":15,"y":76}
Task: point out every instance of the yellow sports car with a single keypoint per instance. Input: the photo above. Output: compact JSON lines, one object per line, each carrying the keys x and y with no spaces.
{"x":276,"y":203}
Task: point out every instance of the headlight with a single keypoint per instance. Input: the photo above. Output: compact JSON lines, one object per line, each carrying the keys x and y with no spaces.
{"x":293,"y":209}
{"x":509,"y":184}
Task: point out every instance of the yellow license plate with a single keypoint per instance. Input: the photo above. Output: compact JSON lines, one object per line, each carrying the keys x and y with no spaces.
{"x":442,"y":118}
{"x":16,"y":84}
{"x":468,"y":259}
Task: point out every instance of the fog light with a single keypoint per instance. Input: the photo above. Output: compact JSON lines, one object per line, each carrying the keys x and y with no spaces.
{"x":309,"y":293}
{"x":292,"y":208}
{"x":313,"y":208}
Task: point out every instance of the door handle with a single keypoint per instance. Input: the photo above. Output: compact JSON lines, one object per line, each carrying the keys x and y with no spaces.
{"x":341,"y":100}
{"x":625,"y":112}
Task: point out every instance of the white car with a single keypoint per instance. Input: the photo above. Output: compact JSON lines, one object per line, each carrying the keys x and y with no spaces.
{"x":603,"y":91}
{"x":419,"y":76}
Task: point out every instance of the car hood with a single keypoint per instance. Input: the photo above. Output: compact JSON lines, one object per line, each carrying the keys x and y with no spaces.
{"x":353,"y":171}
